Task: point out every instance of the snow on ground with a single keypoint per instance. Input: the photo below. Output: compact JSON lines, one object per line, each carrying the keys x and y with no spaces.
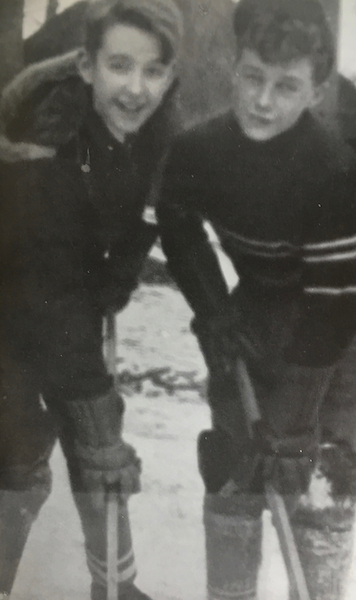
{"x":167,"y":516}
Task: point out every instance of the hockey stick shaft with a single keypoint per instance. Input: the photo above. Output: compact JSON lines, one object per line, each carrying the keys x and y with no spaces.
{"x":275,"y":501}
{"x":112,"y":496}
{"x":112,"y":507}
{"x":111,"y":342}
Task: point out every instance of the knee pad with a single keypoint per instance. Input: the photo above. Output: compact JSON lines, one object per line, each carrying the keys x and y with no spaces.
{"x":215,"y":459}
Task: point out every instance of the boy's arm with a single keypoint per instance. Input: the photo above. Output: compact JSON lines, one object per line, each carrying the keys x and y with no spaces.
{"x":18,"y":92}
{"x":191,"y":260}
{"x":329,"y":272}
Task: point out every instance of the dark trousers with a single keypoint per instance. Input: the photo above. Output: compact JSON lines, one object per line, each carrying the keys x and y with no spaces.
{"x":48,"y":358}
{"x":292,"y":399}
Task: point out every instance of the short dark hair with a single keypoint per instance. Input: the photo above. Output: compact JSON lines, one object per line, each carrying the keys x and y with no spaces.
{"x":281,"y":31}
{"x":103,"y":14}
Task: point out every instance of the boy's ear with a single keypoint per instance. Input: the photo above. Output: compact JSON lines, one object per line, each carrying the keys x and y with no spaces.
{"x":85,"y":66}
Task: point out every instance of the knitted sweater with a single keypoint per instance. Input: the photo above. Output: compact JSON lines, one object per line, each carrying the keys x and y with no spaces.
{"x":284,"y":211}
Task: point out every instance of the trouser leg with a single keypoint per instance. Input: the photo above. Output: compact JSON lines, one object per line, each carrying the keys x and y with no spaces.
{"x":232,"y":517}
{"x":78,"y":373}
{"x":27,"y":436}
{"x":91,"y":503}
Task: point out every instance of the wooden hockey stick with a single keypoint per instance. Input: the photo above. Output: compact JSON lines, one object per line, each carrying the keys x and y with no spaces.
{"x":275,"y":501}
{"x":112,"y":496}
{"x":110,"y":342}
{"x":112,"y":519}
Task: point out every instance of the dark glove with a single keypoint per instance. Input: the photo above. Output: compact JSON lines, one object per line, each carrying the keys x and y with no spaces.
{"x":123,"y":267}
{"x":116,"y":296}
{"x":103,"y":456}
{"x":224,"y":337}
{"x":287,"y":461}
{"x":218,"y":339}
{"x":215,"y":460}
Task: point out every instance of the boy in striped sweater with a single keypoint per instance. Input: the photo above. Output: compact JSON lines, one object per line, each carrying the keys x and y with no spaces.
{"x":279,"y":193}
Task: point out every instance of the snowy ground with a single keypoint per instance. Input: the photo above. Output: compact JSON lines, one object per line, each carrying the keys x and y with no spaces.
{"x":163,"y":381}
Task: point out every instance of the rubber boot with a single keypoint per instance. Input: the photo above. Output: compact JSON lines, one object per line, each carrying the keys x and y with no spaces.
{"x":233,"y":531}
{"x":18,"y":510}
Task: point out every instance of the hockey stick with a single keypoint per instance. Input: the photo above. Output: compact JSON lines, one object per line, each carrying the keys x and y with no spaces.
{"x":112,"y":496}
{"x":112,"y":519}
{"x":275,"y":501}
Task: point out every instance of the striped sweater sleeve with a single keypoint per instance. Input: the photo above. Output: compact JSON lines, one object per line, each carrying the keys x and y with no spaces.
{"x":329,"y":255}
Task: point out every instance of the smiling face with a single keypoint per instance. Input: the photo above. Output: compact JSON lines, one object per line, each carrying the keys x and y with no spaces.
{"x":269,"y":98}
{"x":128,"y":78}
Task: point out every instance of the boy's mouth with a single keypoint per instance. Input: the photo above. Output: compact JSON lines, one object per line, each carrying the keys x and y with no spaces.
{"x":130,"y":108}
{"x":260,"y":120}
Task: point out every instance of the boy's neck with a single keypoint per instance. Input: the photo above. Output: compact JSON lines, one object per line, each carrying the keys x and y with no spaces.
{"x":281,"y":137}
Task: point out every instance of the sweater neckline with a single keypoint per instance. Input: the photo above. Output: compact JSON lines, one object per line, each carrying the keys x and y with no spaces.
{"x":278,"y":144}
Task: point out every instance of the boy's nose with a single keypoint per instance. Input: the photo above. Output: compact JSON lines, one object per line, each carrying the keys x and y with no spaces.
{"x":135,"y":82}
{"x":265,"y":97}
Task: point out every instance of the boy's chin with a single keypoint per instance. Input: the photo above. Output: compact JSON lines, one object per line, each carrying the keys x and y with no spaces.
{"x":260,"y":134}
{"x":263,"y":133}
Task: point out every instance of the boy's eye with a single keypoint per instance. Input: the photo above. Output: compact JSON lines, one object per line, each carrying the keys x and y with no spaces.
{"x":287,"y":86}
{"x":154,"y":71}
{"x":120,"y":65}
{"x":254,"y":78}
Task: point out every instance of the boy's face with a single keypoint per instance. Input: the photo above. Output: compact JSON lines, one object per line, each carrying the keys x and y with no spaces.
{"x":128,"y":78}
{"x":269,"y":99}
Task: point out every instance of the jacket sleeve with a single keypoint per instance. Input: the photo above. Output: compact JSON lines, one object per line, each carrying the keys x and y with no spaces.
{"x":119,"y":275}
{"x":181,"y":212}
{"x":43,"y":229}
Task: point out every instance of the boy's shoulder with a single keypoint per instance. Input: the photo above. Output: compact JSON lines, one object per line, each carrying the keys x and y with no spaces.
{"x":326,"y":150}
{"x":205,"y":134}
{"x":51,"y":114}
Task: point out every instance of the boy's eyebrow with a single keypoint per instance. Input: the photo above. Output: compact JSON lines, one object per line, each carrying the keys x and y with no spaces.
{"x":291,"y":79}
{"x":118,"y":55}
{"x":121,"y":55}
{"x":252,"y":68}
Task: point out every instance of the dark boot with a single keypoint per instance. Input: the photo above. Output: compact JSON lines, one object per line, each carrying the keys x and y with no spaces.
{"x":129,"y":592}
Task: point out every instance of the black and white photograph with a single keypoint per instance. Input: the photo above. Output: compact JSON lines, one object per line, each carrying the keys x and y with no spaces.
{"x":178,"y":299}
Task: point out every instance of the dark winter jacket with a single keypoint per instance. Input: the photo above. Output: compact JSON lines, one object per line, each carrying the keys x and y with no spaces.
{"x":285,"y":213}
{"x":74,"y":224}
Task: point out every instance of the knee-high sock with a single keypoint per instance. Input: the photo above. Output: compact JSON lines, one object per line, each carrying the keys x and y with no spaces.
{"x":233,"y":529}
{"x":325,"y":541}
{"x":18,"y":510}
{"x":92,"y":511}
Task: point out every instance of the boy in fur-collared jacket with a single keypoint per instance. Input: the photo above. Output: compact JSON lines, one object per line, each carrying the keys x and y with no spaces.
{"x":73,"y":242}
{"x":280,"y":195}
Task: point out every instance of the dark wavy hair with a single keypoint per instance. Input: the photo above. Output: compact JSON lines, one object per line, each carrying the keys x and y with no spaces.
{"x":162,"y":18}
{"x":281,"y":31}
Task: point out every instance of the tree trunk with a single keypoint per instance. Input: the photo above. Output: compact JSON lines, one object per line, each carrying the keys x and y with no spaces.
{"x":327,"y":110}
{"x":11,"y":47}
{"x":51,"y":10}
